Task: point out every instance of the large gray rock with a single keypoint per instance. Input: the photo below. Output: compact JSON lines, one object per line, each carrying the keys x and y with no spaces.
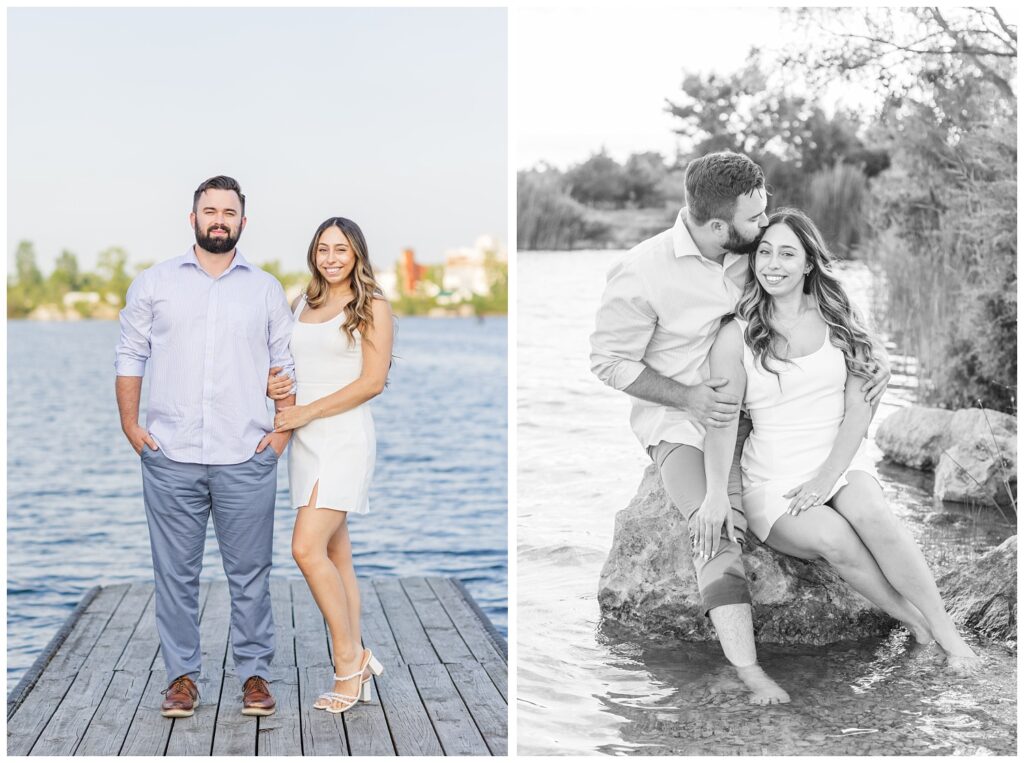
{"x":648,"y":583}
{"x":979,"y":464}
{"x":983,"y":595}
{"x":915,"y":436}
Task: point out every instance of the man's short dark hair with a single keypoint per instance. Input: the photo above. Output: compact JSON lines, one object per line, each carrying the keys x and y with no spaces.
{"x":220,"y":182}
{"x":714,"y":181}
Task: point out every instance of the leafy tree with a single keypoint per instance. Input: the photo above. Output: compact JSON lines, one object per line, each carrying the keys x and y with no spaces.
{"x":643,"y":177}
{"x":598,"y":180}
{"x":942,"y":219}
{"x":65,"y":276}
{"x":27,"y":273}
{"x":111,"y":267}
{"x":905,"y":52}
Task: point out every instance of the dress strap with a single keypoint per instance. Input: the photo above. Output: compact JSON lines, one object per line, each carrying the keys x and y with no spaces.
{"x":298,"y":307}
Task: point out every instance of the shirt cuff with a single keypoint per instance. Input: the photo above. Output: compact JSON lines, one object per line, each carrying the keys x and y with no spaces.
{"x":621,"y":373}
{"x":130,"y":367}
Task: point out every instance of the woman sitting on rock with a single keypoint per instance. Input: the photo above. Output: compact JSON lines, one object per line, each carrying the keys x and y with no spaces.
{"x":794,"y":356}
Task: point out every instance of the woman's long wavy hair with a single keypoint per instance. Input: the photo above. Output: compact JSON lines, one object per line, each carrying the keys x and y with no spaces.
{"x":846,"y":327}
{"x":359,"y":312}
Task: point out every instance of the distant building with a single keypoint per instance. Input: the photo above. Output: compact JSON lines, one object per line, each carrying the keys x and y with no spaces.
{"x":465,"y":269}
{"x":74,"y":297}
{"x":410,"y":273}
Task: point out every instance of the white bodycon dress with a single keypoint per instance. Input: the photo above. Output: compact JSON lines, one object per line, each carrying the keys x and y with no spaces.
{"x":796,"y":418}
{"x":338,"y":450}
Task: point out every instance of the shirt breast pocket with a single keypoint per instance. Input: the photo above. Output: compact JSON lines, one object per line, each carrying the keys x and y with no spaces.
{"x":245,"y":321}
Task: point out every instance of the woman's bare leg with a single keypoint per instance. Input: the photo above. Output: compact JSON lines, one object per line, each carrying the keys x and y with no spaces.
{"x":339,"y":551}
{"x":821,"y":533}
{"x":313,"y":528}
{"x":863,"y":505}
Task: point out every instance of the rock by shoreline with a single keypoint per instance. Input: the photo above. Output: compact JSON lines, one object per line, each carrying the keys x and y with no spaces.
{"x":973,"y":451}
{"x":648,"y":585}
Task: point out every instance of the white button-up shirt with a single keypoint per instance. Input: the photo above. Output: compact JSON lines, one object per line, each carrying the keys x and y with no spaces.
{"x":209,"y":343}
{"x":662,"y":307}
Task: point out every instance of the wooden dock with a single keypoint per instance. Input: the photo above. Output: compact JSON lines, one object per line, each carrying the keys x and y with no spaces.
{"x":96,"y":688}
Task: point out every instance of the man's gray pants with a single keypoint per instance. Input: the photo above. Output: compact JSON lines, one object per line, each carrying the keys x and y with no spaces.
{"x":179,"y":498}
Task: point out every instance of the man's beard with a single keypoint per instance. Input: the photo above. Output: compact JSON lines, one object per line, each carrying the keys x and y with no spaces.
{"x":736,"y":244}
{"x":213,"y":244}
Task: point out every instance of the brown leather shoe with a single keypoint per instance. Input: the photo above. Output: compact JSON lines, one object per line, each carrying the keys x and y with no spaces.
{"x":180,"y":698}
{"x":256,"y":697}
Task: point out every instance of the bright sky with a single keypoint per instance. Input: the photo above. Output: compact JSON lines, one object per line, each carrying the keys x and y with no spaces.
{"x":395,"y":118}
{"x":592,"y":77}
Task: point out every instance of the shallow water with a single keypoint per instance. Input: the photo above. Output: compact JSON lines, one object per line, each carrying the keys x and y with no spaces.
{"x":75,"y":517}
{"x":588,"y":688}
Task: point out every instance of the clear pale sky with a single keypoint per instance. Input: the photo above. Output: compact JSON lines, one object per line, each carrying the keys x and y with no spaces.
{"x":395,"y":118}
{"x":588,"y":78}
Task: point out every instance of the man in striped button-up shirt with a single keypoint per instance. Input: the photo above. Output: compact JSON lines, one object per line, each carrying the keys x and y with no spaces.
{"x":209,"y":325}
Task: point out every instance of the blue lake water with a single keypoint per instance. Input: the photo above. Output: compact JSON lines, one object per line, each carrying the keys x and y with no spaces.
{"x":438,"y":503}
{"x":586,"y":688}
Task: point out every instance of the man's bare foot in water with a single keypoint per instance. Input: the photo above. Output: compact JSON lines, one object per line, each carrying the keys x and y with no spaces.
{"x":763,"y":690}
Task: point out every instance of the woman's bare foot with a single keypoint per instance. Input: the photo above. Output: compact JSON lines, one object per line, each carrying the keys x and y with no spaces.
{"x":920,"y":631}
{"x":963,"y":664}
{"x":348,"y":690}
{"x":961,"y":660}
{"x":763,"y":690}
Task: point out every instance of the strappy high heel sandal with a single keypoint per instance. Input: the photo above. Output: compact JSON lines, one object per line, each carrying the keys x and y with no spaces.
{"x":373,"y":665}
{"x":329,"y":698}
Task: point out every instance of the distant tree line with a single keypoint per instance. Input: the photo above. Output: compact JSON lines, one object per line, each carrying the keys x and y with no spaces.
{"x":813,"y":160}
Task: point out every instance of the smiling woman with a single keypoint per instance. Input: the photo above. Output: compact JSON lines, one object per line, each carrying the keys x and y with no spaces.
{"x":341,"y":344}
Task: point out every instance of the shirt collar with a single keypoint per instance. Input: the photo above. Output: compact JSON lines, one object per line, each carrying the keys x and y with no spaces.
{"x":682,"y":242}
{"x":237,"y":261}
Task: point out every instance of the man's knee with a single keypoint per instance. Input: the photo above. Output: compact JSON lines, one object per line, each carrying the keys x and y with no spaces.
{"x":722,"y":579}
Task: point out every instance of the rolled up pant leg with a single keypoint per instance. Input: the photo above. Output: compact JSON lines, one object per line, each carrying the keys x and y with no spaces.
{"x":721,"y":579}
{"x":177,"y":500}
{"x":243,"y":517}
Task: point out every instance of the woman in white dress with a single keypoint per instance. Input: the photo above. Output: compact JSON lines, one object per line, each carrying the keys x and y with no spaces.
{"x":341,"y":343}
{"x":797,"y":355}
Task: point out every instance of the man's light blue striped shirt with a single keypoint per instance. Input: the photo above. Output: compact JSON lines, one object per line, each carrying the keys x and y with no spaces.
{"x":209,"y":343}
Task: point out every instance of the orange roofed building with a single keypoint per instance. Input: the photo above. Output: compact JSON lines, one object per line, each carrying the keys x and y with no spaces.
{"x":410,"y":273}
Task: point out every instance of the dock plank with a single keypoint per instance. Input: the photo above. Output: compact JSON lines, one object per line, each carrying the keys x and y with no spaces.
{"x":472,"y":630}
{"x":280,"y":733}
{"x":322,"y":733}
{"x":284,"y":628}
{"x":34,"y":713}
{"x":442,"y":632}
{"x":71,"y":719}
{"x":454,"y":725}
{"x":377,"y":635}
{"x":484,"y":702}
{"x":234,"y":733}
{"x":407,"y":718}
{"x":109,"y":726}
{"x":498,"y":671}
{"x":436,"y":695}
{"x":367,"y":728}
{"x":148,"y":731}
{"x":410,"y":636}
{"x":310,"y":630}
